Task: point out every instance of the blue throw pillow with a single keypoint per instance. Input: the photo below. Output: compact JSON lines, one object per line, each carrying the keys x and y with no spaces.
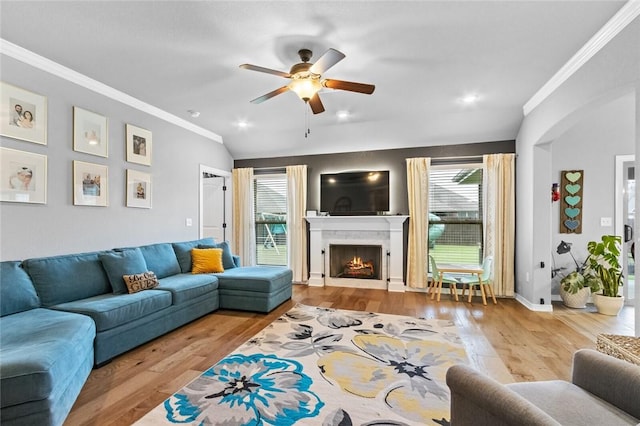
{"x":161,"y":259}
{"x":119,"y":263}
{"x":227,"y":257}
{"x":183,"y":252}
{"x":17,"y":293}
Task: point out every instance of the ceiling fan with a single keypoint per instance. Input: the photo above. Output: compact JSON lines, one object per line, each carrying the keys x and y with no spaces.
{"x":306,"y":79}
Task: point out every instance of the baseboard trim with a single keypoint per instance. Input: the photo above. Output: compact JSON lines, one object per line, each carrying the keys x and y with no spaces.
{"x":533,"y":306}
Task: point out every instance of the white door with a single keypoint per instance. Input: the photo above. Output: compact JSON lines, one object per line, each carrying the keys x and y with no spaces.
{"x":215,"y":203}
{"x":213,"y":207}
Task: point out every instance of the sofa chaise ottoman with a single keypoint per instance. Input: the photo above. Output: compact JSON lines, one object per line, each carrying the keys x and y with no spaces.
{"x":247,"y":288}
{"x":254,"y":288}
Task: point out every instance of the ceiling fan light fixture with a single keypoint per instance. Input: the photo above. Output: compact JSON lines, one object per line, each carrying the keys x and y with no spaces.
{"x":306,"y":79}
{"x":305,"y":87}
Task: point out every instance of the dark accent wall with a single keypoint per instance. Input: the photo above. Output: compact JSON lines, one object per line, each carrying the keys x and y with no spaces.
{"x":391,"y":159}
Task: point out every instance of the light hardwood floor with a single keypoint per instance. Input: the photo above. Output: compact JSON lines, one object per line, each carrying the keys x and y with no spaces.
{"x":532,"y":345}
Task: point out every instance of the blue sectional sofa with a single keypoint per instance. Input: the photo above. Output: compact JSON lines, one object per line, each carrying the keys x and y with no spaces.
{"x":60,"y":316}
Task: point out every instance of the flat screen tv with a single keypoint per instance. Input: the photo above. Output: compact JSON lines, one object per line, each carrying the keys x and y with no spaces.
{"x":354,"y":193}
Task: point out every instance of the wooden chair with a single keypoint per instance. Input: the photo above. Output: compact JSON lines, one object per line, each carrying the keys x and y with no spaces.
{"x":437,"y":278}
{"x":483,"y":281}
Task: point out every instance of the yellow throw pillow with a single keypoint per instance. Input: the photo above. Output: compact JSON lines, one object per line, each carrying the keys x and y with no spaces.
{"x":138,"y":282}
{"x":205,"y":261}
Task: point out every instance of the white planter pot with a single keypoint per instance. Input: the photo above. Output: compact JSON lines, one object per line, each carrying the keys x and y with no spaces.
{"x":576,"y":301}
{"x":608,"y":305}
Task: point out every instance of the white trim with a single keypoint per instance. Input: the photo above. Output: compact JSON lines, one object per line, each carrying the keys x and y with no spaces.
{"x":619,"y":197}
{"x":30,"y":58}
{"x":533,"y":306}
{"x":619,"y":219}
{"x":626,"y":14}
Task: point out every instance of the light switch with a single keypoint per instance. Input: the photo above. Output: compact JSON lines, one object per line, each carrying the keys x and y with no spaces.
{"x":188,"y":222}
{"x":606,"y":221}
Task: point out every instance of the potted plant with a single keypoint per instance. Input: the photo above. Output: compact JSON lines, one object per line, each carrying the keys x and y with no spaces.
{"x":603,"y":264}
{"x":576,"y":288}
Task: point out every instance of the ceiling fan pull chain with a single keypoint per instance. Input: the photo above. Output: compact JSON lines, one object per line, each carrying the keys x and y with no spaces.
{"x":306,"y":123}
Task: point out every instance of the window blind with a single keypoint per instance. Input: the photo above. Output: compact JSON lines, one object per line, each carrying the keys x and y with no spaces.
{"x":455,"y":214}
{"x":270,"y":206}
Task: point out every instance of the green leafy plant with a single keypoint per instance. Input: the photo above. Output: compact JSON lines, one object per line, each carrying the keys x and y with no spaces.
{"x":603,"y":264}
{"x":577,"y":280}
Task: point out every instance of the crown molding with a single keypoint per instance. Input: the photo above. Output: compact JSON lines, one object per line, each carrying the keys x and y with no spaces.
{"x":626,"y":14}
{"x":30,"y":58}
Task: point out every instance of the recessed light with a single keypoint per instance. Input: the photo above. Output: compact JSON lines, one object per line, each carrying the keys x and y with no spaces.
{"x":242,"y":124}
{"x":469,"y":99}
{"x":193,"y":113}
{"x":343,"y":115}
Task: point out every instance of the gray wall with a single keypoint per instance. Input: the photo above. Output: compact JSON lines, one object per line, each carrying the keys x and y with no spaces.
{"x":605,"y":133}
{"x":392,"y":160}
{"x":32,"y":230}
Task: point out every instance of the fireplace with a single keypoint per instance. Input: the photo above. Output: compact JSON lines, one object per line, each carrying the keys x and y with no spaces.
{"x":383,"y":233}
{"x":355,"y":261}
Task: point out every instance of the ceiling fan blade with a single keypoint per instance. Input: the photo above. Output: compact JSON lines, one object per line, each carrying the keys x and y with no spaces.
{"x":316,"y":104}
{"x":349,"y":86}
{"x":266,"y":70}
{"x":326,"y":61}
{"x":270,"y":95}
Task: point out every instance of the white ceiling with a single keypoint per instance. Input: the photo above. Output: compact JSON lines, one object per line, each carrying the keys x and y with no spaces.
{"x":421,"y":55}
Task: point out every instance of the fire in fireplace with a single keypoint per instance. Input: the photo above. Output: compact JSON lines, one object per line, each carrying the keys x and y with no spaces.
{"x":355,"y":261}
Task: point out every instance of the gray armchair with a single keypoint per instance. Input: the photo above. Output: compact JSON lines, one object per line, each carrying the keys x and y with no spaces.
{"x":603,"y":391}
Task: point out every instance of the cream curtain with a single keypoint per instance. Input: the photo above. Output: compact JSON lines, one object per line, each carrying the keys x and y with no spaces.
{"x":499,"y":219}
{"x":244,"y":232}
{"x":296,"y":224}
{"x":418,"y":192}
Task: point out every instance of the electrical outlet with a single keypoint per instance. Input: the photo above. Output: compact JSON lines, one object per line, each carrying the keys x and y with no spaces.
{"x":188,"y":222}
{"x":606,"y":221}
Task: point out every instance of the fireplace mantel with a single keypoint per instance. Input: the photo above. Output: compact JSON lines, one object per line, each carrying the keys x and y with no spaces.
{"x":386,"y":231}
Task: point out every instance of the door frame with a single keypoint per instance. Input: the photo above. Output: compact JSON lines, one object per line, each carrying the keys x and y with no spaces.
{"x":227,"y":200}
{"x":619,"y":207}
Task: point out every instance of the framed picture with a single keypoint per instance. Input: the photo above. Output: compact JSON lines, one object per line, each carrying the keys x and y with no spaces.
{"x":139,"y":145}
{"x":23,"y":176}
{"x":90,"y":184}
{"x":138,"y":189}
{"x":23,"y":115}
{"x":90,"y":132}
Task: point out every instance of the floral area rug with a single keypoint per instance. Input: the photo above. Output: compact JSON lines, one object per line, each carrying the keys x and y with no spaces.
{"x":318,"y":366}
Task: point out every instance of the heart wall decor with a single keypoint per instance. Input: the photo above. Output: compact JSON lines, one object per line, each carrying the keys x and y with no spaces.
{"x":571,"y":186}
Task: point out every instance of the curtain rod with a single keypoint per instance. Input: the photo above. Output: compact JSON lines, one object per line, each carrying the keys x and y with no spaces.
{"x":268,"y":170}
{"x":457,"y":160}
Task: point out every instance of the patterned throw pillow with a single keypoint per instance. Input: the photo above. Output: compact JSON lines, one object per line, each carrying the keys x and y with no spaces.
{"x":138,"y":282}
{"x":206,"y":261}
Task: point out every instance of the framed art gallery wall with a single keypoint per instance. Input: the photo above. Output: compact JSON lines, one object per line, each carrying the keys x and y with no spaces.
{"x":59,"y":226}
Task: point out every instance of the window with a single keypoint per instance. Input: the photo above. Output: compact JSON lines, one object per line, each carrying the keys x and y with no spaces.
{"x":270,"y":206}
{"x":455,"y":214}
